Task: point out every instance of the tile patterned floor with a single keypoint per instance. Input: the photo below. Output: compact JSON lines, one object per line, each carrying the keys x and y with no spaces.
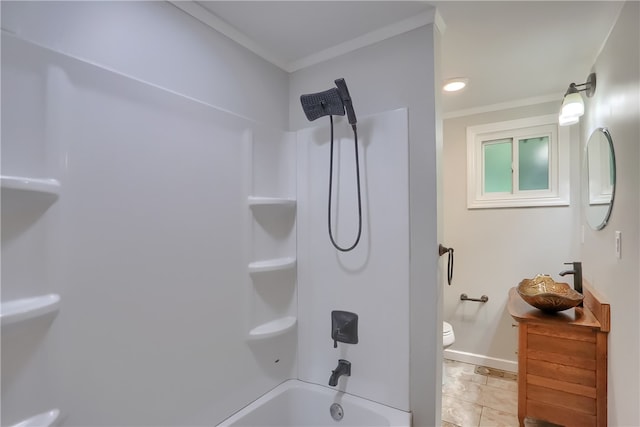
{"x":473,"y":400}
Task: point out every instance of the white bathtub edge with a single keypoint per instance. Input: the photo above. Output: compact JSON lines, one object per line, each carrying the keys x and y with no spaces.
{"x":396,"y":417}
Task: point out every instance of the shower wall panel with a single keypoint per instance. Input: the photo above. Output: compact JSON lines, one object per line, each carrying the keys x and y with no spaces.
{"x":399,"y":72}
{"x":28,"y":242}
{"x":373,"y":279}
{"x":158,"y":43}
{"x":147,"y":247}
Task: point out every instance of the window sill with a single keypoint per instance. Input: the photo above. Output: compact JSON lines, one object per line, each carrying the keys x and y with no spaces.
{"x":518,"y":203}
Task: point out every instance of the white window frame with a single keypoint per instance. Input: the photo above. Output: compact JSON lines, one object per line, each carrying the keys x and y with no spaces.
{"x":558,"y":193}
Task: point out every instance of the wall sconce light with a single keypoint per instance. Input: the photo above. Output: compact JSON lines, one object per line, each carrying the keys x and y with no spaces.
{"x":572,"y":103}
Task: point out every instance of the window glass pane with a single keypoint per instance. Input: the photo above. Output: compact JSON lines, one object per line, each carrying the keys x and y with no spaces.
{"x":497,"y":166}
{"x":533,"y":163}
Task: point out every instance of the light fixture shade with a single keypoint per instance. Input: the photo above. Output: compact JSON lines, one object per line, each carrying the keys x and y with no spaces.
{"x":572,"y":105}
{"x":568,"y":120}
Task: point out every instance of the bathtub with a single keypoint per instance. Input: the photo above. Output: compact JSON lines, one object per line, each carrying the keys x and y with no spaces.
{"x":299,"y":404}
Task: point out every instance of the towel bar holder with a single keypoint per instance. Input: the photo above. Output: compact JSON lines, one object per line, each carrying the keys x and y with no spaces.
{"x":483,"y":298}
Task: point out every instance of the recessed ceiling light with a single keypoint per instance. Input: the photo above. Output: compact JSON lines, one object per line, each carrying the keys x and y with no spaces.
{"x":456,"y":84}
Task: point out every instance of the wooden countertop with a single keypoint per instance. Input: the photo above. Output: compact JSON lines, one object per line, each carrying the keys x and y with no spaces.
{"x":521,"y":311}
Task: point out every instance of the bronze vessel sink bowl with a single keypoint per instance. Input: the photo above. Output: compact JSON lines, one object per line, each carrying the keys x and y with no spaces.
{"x":544,"y":293}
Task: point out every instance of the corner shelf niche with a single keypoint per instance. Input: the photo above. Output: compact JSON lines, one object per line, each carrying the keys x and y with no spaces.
{"x":257,"y":202}
{"x":276,"y":264}
{"x":272,"y":212}
{"x":29,"y":185}
{"x":21,"y":193}
{"x":19,"y":310}
{"x":273,"y":328}
{"x":46,"y":419}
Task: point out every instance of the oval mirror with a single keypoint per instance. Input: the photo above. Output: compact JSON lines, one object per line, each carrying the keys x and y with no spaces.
{"x":600,"y":178}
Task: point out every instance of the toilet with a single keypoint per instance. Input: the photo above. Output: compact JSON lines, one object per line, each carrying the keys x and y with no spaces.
{"x":448,"y":338}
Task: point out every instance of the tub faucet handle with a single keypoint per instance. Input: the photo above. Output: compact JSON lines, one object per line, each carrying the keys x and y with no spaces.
{"x":344,"y":327}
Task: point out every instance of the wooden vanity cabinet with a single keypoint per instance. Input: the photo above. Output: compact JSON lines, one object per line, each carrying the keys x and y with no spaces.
{"x":562,"y":362}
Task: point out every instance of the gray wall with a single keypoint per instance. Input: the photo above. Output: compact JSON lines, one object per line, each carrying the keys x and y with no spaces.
{"x":496,"y":248}
{"x":487,"y":259}
{"x":400,"y":73}
{"x":616,"y":105}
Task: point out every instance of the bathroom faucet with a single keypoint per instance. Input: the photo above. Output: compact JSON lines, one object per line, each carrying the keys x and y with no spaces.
{"x":577,"y":274}
{"x":344,"y":368}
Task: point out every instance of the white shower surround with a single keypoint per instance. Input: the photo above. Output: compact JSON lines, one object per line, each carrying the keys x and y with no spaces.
{"x":140,"y":124}
{"x":299,"y":404}
{"x":150,"y":239}
{"x":205,"y":388}
{"x":372,"y":280}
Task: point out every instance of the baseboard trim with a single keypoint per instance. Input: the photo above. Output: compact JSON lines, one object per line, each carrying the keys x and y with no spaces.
{"x":479,"y":359}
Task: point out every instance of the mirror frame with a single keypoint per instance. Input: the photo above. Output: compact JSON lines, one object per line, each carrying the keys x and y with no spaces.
{"x":586,"y":194}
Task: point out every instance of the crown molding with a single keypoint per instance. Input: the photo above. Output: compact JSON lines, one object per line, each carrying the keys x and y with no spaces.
{"x":364,"y":40}
{"x":438,"y":21}
{"x":206,"y":17}
{"x":504,"y":106}
{"x":203,"y":15}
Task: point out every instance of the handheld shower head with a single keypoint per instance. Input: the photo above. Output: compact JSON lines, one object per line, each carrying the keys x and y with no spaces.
{"x":346,"y":100}
{"x":332,"y":102}
{"x":327,"y":103}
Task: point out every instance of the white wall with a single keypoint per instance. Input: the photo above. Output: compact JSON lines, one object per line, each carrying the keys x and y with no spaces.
{"x":372,"y":280}
{"x":149,"y":242}
{"x":616,"y":105}
{"x":113,"y":361}
{"x":160,"y":44}
{"x":396,"y":73}
{"x":496,"y":248}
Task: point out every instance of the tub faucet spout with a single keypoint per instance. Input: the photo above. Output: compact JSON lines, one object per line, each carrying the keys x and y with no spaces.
{"x":344,"y":368}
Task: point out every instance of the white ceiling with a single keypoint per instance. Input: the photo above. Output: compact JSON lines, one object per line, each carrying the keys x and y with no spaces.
{"x":296,"y":29}
{"x":521,"y":49}
{"x":510,"y":50}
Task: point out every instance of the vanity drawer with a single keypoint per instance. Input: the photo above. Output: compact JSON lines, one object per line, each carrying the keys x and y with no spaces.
{"x":563,"y":416}
{"x":571,"y":349}
{"x":561,"y":372}
{"x":563,"y":399}
{"x":561,"y":386}
{"x":571,"y":333}
{"x":561,"y":359}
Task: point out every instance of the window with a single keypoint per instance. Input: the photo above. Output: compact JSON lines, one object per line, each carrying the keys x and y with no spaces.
{"x":518,"y":163}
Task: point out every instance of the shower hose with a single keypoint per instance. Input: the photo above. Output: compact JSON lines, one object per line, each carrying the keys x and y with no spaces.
{"x":333,"y":242}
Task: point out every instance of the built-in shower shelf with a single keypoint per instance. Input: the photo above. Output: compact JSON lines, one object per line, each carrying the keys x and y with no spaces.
{"x":276,"y":264}
{"x":256,"y":202}
{"x":273,"y":328}
{"x":46,"y":419}
{"x":30,"y":185}
{"x":19,"y":310}
{"x":19,"y":192}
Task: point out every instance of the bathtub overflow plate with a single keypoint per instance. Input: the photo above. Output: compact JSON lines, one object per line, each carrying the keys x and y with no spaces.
{"x":336,"y":411}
